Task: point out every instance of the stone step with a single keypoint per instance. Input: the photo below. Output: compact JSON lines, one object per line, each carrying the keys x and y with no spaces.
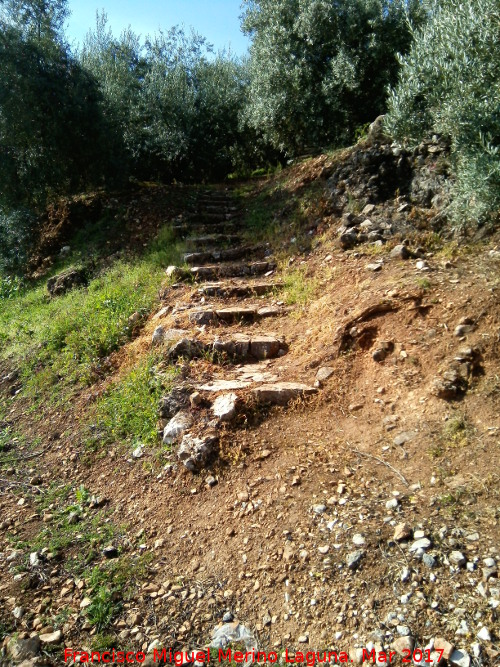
{"x":217,"y":198}
{"x":211,"y":241}
{"x":235,"y":314}
{"x":258,"y":346}
{"x":208,"y":217}
{"x":232,"y":270}
{"x":226,"y":255}
{"x":281,"y":393}
{"x":240,"y":346}
{"x":217,"y":208}
{"x":238,"y":290}
{"x":220,"y":228}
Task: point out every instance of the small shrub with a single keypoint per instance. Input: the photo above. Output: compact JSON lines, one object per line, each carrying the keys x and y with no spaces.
{"x":102,"y":609}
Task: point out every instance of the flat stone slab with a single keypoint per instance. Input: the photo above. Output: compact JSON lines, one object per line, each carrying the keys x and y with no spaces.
{"x":282,"y":393}
{"x":258,"y":346}
{"x":257,"y":376}
{"x":224,"y":255}
{"x":210,"y":241}
{"x":236,"y":313}
{"x":224,"y":385}
{"x":231,"y":270}
{"x":270,"y":311}
{"x":238,"y":290}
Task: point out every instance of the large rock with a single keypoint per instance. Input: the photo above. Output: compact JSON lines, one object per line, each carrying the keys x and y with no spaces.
{"x":176,"y":427}
{"x":203,"y":317}
{"x":400,"y":252}
{"x":376,"y":132}
{"x":66,"y":281}
{"x":282,"y":393}
{"x":195,"y":452}
{"x":236,"y":313}
{"x":23,"y":649}
{"x":454,"y":381}
{"x":236,"y":346}
{"x":224,"y":407}
{"x":177,"y":400}
{"x":265,"y":347}
{"x":189,"y":348}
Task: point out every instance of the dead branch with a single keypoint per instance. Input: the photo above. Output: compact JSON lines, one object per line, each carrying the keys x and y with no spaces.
{"x":382,"y":462}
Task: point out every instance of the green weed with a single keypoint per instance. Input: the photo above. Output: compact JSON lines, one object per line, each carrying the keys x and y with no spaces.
{"x":103,"y":609}
{"x":298,"y":288}
{"x":128,"y":412}
{"x":424,"y":283}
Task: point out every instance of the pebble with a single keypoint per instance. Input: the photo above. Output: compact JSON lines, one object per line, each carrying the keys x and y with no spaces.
{"x":324,"y":550}
{"x":18,"y":613}
{"x":403,"y":630}
{"x":319,"y":509}
{"x":403,"y":644}
{"x":402,"y":532}
{"x":228,"y":617}
{"x":484,"y":634}
{"x":353,"y":559}
{"x":457,"y":558}
{"x":110,"y":552}
{"x":445,"y":646}
{"x":392,"y":504}
{"x":52,"y":638}
{"x":358,"y":540}
{"x":460,"y":658}
{"x":303,"y":639}
{"x":429,"y":561}
{"x":423,"y":543}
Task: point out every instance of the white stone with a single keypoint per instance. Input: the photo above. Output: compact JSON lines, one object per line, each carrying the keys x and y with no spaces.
{"x":224,"y":407}
{"x":424,"y":543}
{"x":52,"y":638}
{"x":484,"y":634}
{"x":176,"y":427}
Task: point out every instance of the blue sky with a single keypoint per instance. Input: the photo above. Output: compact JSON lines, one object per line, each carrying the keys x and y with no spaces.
{"x":217,"y":20}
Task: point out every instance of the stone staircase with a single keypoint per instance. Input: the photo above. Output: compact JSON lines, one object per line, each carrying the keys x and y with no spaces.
{"x":232,"y":306}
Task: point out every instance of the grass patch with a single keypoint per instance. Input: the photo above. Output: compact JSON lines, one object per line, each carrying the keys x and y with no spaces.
{"x":424,"y":283}
{"x":455,"y":434}
{"x":64,"y":340}
{"x":457,"y":431}
{"x":128,"y":412}
{"x":298,"y":288}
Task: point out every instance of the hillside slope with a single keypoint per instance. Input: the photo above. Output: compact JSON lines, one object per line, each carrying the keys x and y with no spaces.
{"x":335,"y":363}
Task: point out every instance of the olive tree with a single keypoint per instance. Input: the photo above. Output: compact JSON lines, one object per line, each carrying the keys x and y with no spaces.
{"x":450,"y":84}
